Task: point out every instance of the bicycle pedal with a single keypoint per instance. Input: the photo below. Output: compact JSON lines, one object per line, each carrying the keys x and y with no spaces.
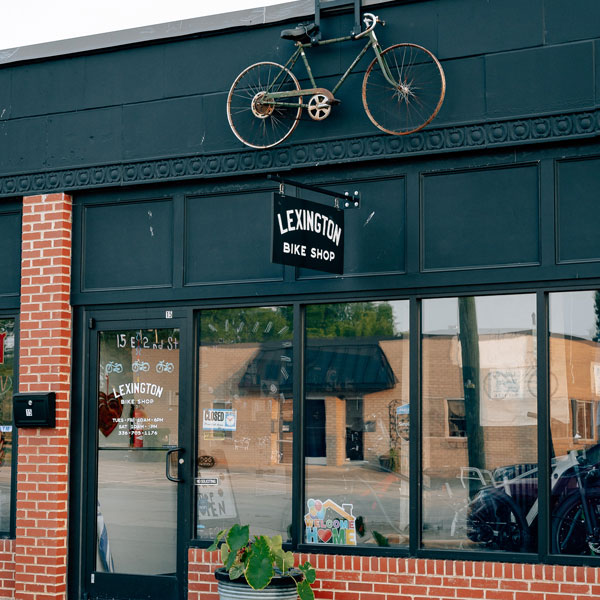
{"x":333,"y":102}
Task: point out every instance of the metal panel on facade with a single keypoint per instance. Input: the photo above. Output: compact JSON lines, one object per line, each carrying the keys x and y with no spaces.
{"x":128,"y":245}
{"x":10,"y":251}
{"x":578,"y":208}
{"x":376,"y":232}
{"x":228,"y":238}
{"x":481,"y":218}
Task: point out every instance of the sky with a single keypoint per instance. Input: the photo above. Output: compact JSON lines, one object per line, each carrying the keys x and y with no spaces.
{"x":29,"y":22}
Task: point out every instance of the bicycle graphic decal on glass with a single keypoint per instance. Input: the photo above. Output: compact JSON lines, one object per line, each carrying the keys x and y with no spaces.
{"x":402,"y":91}
{"x":140,"y":365}
{"x":163,"y":366}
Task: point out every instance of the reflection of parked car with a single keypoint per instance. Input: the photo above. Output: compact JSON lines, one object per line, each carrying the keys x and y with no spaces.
{"x":503,"y":515}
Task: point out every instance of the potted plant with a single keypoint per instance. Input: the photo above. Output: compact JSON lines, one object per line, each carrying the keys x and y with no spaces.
{"x":250,"y":566}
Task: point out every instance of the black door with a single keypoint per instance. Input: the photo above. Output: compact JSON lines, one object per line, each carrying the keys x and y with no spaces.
{"x":139,"y":455}
{"x":315,"y":444}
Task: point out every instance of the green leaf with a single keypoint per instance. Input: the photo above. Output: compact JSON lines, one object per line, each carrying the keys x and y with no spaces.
{"x":380,"y":539}
{"x":288,"y":561}
{"x":304,"y":591}
{"x":215,"y":544}
{"x":275,"y":542}
{"x":238,"y":537}
{"x":309,"y":572}
{"x":237,"y":570}
{"x":279,"y":558}
{"x":225,"y":554}
{"x":259,"y":567}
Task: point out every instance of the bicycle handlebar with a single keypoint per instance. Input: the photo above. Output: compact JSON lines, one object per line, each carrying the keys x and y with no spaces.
{"x":373,"y":20}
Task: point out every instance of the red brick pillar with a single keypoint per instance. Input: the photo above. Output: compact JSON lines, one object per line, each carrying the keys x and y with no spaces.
{"x":44,"y":365}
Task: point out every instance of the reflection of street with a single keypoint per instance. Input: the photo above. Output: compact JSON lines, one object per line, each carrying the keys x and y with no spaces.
{"x":263,"y":498}
{"x":5,"y":496}
{"x":138,"y":504}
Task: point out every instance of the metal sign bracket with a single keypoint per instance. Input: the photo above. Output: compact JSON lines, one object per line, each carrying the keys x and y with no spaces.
{"x":328,"y":4}
{"x":343,"y":201}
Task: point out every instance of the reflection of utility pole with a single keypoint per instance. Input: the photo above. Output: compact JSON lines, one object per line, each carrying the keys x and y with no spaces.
{"x":469,"y":344}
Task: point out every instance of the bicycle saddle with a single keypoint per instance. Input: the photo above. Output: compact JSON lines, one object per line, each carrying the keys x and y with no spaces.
{"x":300,"y":33}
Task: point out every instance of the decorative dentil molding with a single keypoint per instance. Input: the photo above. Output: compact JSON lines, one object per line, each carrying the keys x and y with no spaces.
{"x":430,"y":141}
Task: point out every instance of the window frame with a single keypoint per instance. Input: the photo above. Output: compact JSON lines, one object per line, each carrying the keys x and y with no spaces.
{"x":10,"y":533}
{"x":542,"y":293}
{"x":576,"y":404}
{"x":449,"y":435}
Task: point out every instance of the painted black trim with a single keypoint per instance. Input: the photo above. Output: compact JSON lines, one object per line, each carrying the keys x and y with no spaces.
{"x":130,"y":586}
{"x":455,"y":138}
{"x":298,"y":465}
{"x":11,"y":532}
{"x":415,"y":434}
{"x":544,"y":435}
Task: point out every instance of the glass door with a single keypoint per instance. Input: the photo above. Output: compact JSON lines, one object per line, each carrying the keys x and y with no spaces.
{"x":140,"y":462}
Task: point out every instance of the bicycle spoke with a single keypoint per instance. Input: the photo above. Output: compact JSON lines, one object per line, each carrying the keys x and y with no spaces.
{"x":262,"y":124}
{"x":416,"y":96}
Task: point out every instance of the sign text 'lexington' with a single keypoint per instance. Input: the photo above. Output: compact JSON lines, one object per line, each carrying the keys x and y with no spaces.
{"x":307,"y":234}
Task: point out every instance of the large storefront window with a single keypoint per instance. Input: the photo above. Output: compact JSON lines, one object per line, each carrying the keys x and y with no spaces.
{"x":479,"y":395}
{"x":574,"y":422}
{"x":479,"y":423}
{"x":245,"y":429}
{"x":356,"y":424}
{"x":7,"y":374}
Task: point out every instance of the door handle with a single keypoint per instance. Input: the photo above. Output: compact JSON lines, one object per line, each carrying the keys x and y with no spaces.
{"x":168,"y":465}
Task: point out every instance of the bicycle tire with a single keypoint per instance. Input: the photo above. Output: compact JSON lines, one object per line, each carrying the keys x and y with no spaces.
{"x":414,"y":101}
{"x":495,"y":522}
{"x":261,"y":125}
{"x":569,"y":535}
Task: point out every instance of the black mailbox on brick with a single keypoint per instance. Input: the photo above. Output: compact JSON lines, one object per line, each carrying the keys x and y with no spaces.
{"x":35,"y":410}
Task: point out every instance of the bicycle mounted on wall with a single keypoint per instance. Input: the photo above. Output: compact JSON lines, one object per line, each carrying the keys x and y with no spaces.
{"x":402,"y":91}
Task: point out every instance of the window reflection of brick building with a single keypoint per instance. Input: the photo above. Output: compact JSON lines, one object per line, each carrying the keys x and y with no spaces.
{"x":574,"y":392}
{"x":508,"y":395}
{"x":259,"y":438}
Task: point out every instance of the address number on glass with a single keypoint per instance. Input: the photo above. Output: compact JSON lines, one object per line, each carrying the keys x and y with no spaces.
{"x":143,"y":341}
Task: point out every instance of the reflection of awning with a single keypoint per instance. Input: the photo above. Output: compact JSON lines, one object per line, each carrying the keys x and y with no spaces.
{"x":342,"y":368}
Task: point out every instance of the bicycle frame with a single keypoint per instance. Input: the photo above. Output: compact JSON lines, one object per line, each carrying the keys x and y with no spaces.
{"x":273,"y":98}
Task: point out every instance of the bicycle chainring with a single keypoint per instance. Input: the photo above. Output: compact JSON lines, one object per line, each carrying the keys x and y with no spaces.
{"x":318,"y":107}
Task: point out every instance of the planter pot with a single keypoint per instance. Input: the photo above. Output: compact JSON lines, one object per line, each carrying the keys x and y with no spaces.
{"x":280,"y":588}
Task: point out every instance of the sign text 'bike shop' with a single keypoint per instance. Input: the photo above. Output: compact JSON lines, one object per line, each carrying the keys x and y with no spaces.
{"x":307,"y":234}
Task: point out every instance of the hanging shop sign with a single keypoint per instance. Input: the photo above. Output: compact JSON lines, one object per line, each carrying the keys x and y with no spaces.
{"x":307,"y":234}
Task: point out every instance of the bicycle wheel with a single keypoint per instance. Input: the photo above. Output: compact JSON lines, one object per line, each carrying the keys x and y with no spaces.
{"x":569,"y":531}
{"x":409,"y":95}
{"x":496,"y":523}
{"x":261,"y":124}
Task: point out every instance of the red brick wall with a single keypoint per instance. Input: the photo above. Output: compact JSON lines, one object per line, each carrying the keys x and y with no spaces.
{"x":372,"y":578}
{"x":7,"y":568}
{"x":44,"y":365}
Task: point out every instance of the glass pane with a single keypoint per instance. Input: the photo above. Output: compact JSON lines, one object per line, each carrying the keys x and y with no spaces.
{"x":245,"y":420}
{"x":574,"y":422}
{"x":138,"y":409}
{"x":356,"y":418}
{"x":7,"y":373}
{"x":479,"y":398}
